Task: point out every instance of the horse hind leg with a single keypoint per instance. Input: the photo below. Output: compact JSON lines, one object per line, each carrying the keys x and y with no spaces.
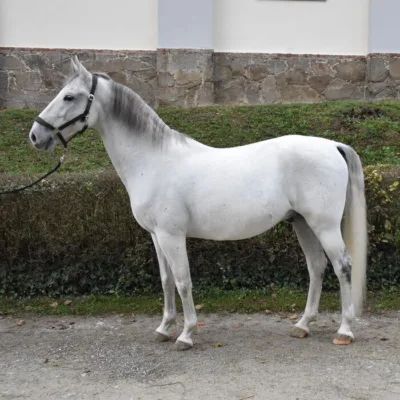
{"x":334,"y":246}
{"x":316,"y":264}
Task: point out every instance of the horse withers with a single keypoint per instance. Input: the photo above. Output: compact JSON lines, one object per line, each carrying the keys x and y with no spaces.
{"x":180,"y":188}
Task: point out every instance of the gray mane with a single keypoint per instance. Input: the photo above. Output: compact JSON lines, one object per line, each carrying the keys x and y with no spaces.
{"x":129,"y":108}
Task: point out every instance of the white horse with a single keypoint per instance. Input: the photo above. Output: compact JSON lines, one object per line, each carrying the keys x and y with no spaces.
{"x":180,"y":188}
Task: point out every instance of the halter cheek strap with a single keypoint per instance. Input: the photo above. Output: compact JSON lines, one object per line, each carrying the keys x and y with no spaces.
{"x":81,"y":117}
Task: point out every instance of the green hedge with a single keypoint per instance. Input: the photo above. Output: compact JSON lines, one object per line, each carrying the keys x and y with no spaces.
{"x":75,"y":234}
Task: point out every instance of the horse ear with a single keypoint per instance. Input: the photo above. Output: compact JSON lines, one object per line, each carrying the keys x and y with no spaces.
{"x":74,"y":66}
{"x":80,"y":69}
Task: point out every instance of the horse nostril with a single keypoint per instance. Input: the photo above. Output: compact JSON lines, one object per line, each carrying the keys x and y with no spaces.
{"x":33,"y":137}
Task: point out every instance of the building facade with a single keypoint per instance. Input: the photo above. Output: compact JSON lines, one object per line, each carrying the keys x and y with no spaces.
{"x":201,"y":52}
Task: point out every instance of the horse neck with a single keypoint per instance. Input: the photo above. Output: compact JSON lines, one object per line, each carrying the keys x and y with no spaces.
{"x":134,"y":142}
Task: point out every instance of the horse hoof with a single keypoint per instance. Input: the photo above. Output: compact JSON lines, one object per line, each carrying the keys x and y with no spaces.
{"x":341,"y":339}
{"x":160,"y":337}
{"x":299,"y":333}
{"x":181,"y":346}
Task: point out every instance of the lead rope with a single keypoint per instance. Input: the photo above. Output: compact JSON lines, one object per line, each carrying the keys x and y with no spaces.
{"x":60,"y":162}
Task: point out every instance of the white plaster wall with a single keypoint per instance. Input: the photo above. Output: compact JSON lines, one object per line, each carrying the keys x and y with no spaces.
{"x":282,"y":26}
{"x":185,"y":24}
{"x":79,"y":24}
{"x":384,"y":34}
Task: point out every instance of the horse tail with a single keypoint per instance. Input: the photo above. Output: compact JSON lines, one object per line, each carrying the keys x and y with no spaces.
{"x":355,"y":226}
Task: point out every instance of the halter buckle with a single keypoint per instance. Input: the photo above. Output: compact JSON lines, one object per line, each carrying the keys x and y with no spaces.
{"x":91,"y":97}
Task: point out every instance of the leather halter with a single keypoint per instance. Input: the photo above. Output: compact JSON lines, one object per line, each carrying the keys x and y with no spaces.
{"x":81,"y":117}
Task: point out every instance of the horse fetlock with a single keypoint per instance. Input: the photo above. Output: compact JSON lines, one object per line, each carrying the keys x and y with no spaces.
{"x":190,"y":322}
{"x":165,"y":326}
{"x":303,"y":324}
{"x":305,"y":320}
{"x":309,"y":315}
{"x":345,"y":331}
{"x":348,"y":316}
{"x":312,"y":318}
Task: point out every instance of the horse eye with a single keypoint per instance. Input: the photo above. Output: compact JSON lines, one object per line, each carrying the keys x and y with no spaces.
{"x":68,"y":98}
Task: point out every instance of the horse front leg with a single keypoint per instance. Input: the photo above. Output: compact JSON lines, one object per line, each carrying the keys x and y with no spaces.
{"x":168,"y":285}
{"x":174,"y":249}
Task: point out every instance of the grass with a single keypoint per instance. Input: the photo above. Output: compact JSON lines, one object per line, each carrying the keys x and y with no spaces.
{"x":371,"y":127}
{"x":213,"y":301}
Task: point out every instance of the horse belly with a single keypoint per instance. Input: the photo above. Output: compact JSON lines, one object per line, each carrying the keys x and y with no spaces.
{"x":226,"y":222}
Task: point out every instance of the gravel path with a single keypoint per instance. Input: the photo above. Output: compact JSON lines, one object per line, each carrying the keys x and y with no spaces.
{"x":235,"y":357}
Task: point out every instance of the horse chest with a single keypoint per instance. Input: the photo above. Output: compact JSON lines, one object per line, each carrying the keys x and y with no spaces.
{"x":155,"y":214}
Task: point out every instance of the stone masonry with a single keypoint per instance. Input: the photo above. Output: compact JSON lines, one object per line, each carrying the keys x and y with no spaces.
{"x":31,"y":78}
{"x":383,"y":76}
{"x":189,"y":78}
{"x":266,"y":79}
{"x":185,"y":77}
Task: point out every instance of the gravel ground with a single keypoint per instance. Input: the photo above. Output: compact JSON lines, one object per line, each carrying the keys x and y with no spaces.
{"x":235,"y":357}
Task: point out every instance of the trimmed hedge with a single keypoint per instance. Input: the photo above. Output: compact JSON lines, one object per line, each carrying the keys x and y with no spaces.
{"x":75,"y":234}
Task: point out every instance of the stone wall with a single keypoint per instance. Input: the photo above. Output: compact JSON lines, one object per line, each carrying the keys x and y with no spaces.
{"x":383,"y":76}
{"x":190,"y":78}
{"x":32,"y":77}
{"x":185,"y":77}
{"x":264,"y":78}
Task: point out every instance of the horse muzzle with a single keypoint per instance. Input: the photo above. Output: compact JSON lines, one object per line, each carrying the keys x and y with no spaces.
{"x":41,"y":140}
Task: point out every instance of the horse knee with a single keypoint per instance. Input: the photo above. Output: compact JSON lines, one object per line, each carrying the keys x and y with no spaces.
{"x":183,"y":288}
{"x":167,"y":282}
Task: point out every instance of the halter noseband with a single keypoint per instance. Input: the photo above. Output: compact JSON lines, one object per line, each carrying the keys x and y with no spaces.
{"x":81,"y":117}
